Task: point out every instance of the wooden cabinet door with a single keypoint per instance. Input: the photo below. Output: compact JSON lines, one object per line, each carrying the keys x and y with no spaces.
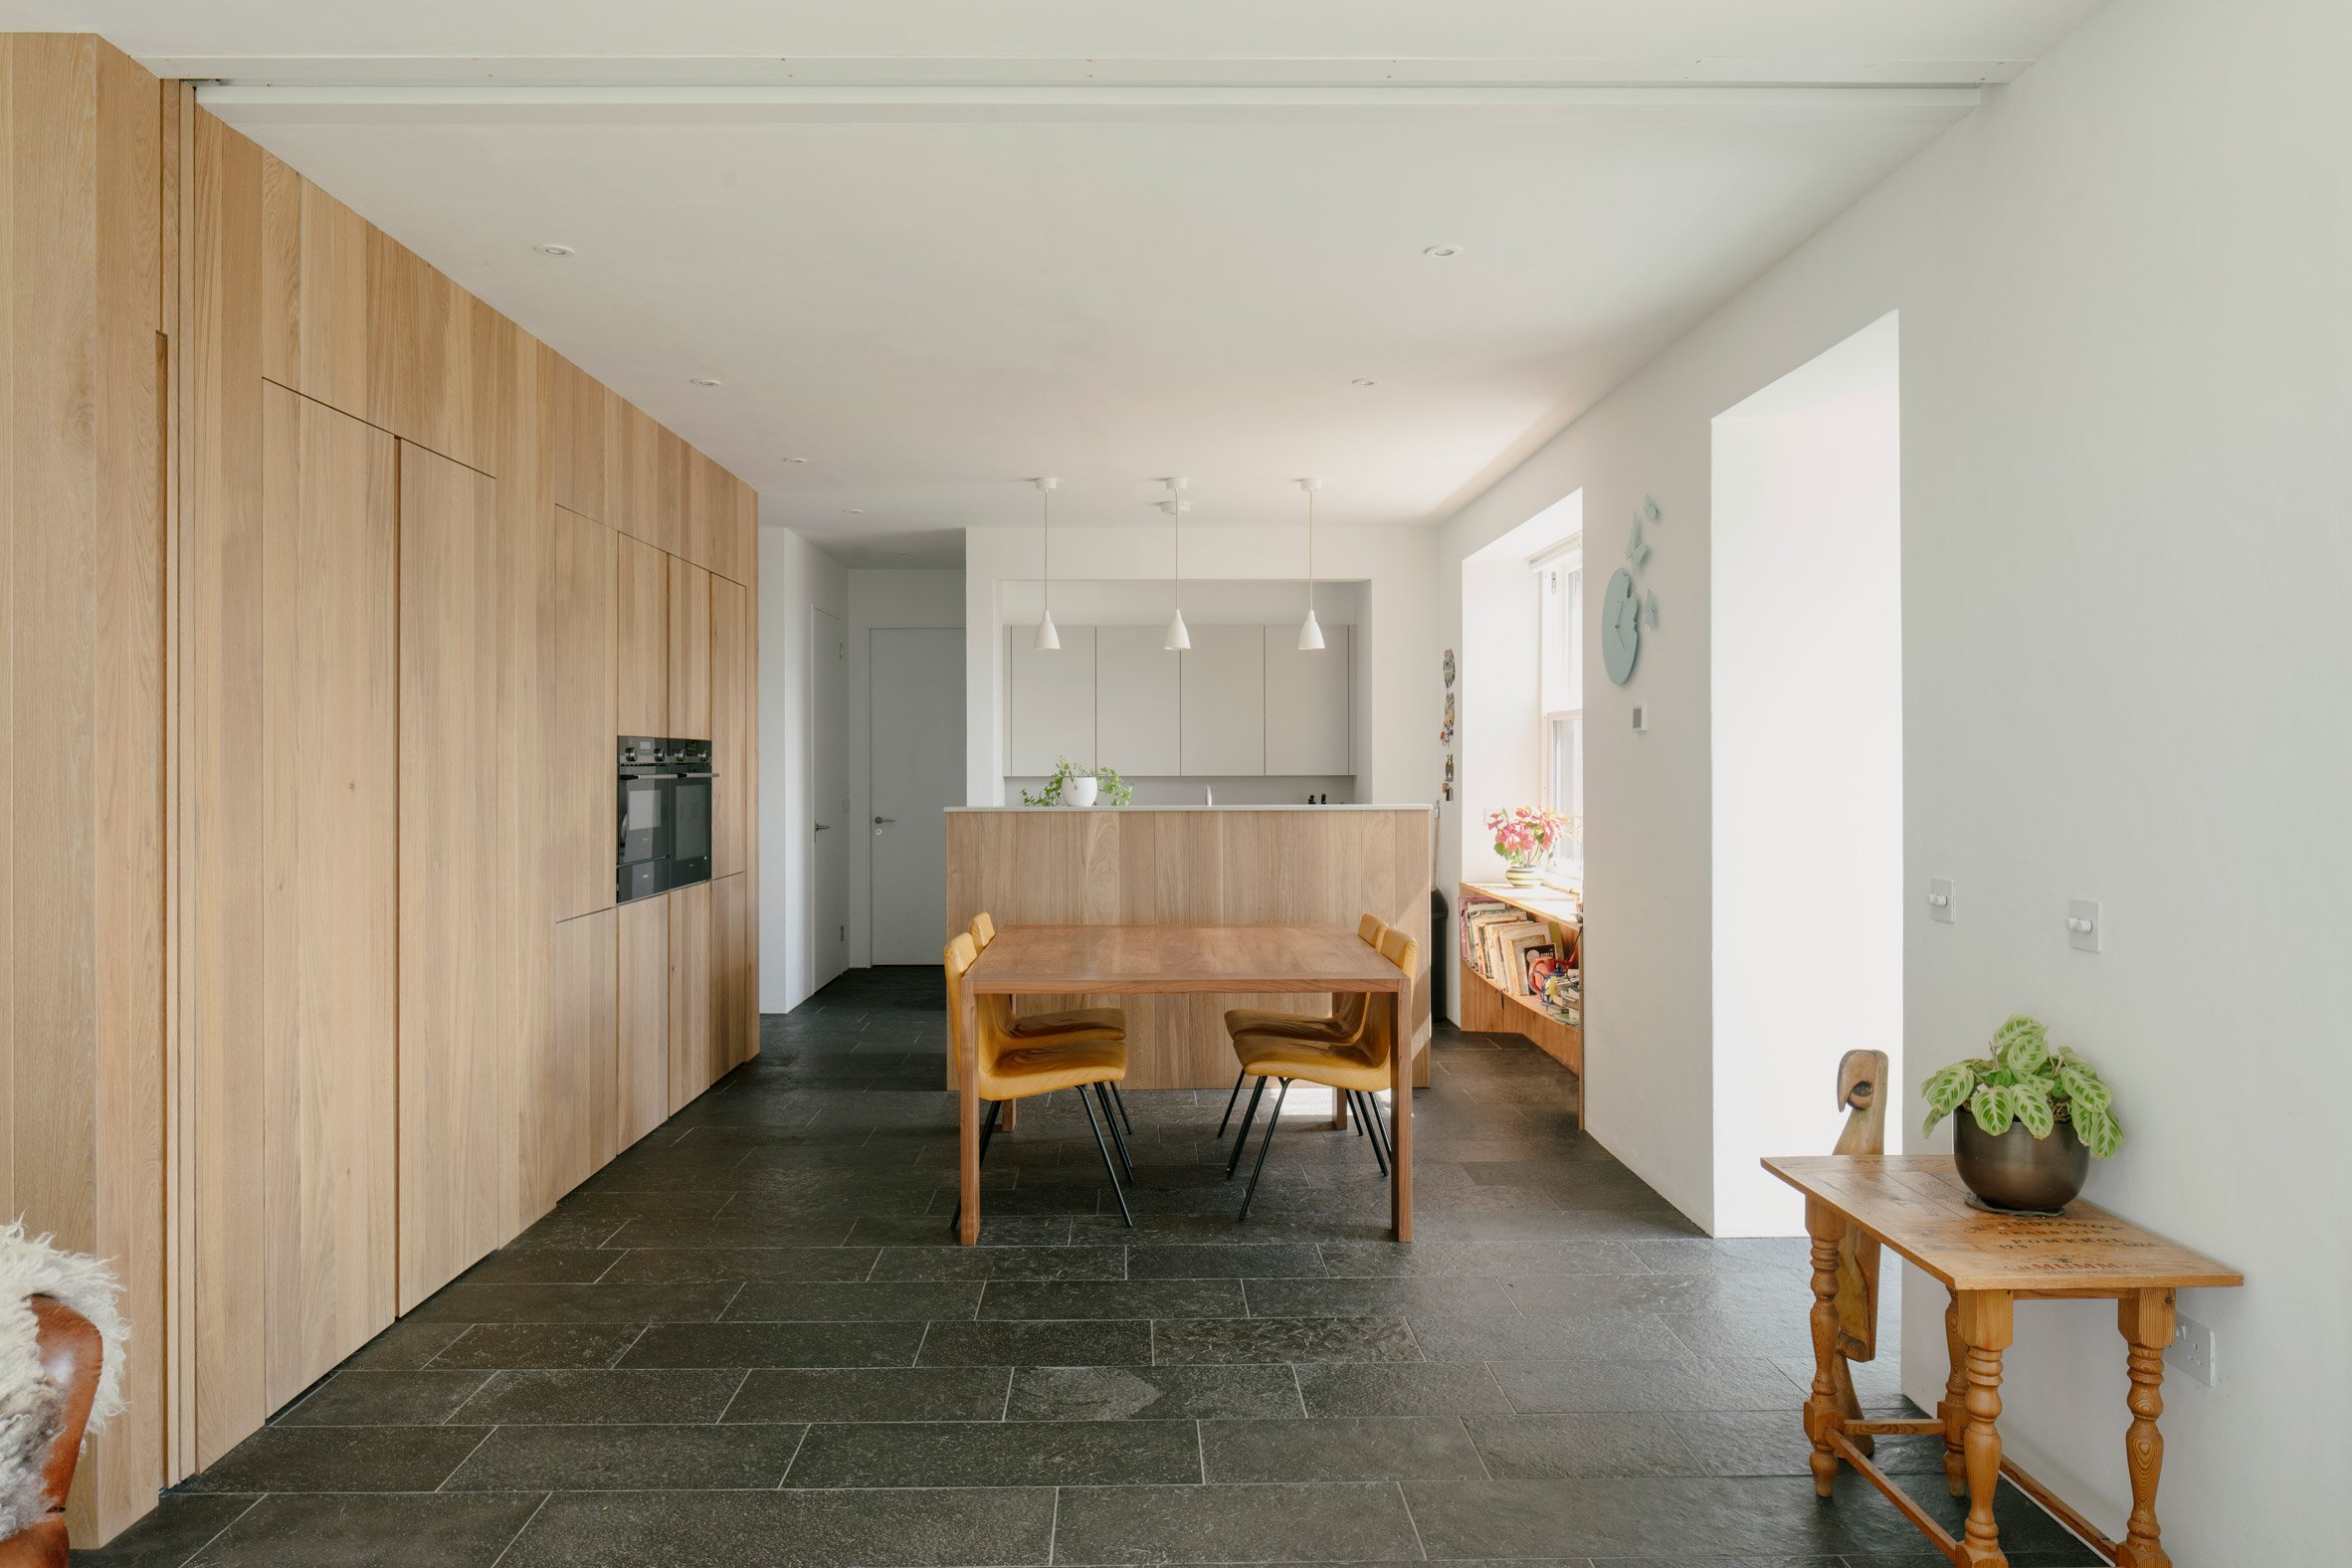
{"x":1135,"y":701}
{"x":642,"y":1019}
{"x":690,"y":651}
{"x":457,"y":877}
{"x":1308,"y":715}
{"x":1049,"y":701}
{"x":1224,"y":702}
{"x":691,"y":1059}
{"x":641,"y":639}
{"x":580,"y":786}
{"x":579,"y":1126}
{"x":734,"y":1013}
{"x":730,"y":750}
{"x":322,"y":1121}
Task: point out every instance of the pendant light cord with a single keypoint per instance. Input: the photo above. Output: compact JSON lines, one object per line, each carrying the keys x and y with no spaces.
{"x":1047,"y":591}
{"x":1310,"y":551}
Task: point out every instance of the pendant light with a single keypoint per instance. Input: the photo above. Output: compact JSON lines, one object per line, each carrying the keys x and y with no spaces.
{"x":1049,"y":640}
{"x":1179,"y":637}
{"x":1310,"y":634}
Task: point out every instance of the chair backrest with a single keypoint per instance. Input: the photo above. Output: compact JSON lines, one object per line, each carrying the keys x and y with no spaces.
{"x":1398,"y":948}
{"x":1368,"y":929}
{"x":1348,"y":1007}
{"x":995,"y":1010}
{"x":983,"y":930}
{"x":1861,"y":1089}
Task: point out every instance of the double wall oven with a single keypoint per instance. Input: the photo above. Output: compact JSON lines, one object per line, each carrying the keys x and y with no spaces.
{"x":664,"y":815}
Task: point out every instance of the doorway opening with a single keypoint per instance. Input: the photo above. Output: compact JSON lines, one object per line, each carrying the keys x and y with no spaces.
{"x":1807,"y":748}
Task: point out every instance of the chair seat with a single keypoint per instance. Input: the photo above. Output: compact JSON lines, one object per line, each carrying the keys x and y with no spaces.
{"x":1043,"y":1066}
{"x":1336,"y":1067}
{"x":1289,"y":1026}
{"x":1086,"y":1022}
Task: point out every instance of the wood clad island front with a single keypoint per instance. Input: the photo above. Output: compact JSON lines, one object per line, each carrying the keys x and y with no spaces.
{"x":1194,"y":865}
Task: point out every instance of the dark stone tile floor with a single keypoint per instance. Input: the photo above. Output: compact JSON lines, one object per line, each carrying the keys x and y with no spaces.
{"x":747,"y":1340}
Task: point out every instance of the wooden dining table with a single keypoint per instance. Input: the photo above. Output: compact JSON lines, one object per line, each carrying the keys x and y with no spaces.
{"x":1133,"y":960}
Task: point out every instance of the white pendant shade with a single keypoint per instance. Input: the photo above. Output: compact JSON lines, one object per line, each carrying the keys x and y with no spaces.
{"x":1310,"y":635}
{"x":1049,"y":640}
{"x":1179,"y":637}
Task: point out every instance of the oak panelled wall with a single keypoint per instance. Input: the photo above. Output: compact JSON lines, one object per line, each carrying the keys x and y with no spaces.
{"x":325,"y":589}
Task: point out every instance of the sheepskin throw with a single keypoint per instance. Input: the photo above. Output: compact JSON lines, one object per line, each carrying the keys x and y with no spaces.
{"x":30,"y":1405}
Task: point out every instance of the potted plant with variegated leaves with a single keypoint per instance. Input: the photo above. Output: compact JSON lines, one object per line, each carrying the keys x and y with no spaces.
{"x":2030,"y":1118}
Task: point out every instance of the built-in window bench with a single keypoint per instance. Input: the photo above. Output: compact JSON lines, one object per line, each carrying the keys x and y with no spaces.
{"x":1522,"y":966}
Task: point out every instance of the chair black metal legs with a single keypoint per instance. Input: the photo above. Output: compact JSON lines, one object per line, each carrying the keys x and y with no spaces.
{"x":988,"y":1126}
{"x":1242,"y":1139}
{"x":1109,"y":1169}
{"x":1365,"y":1111}
{"x":1238,"y":1079}
{"x":1259,"y":1169}
{"x":1118,"y":1140}
{"x":1380,"y":1131}
{"x":1121,"y":1101}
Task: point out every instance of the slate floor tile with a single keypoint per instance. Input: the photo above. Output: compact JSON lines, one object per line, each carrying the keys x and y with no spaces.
{"x":1500,"y":1260}
{"x":1060,"y":1344}
{"x":871,"y":1394}
{"x":793,"y":1528}
{"x":1001,"y":1263}
{"x":576,"y":1303}
{"x":776,"y":1345}
{"x":375,"y":1397}
{"x":999,"y":1453}
{"x":1132,"y":1299}
{"x":628,"y":1459}
{"x":1408,"y":1389}
{"x":569,"y":1398}
{"x":1524,"y":1447}
{"x":1392,"y":1298}
{"x":1226,"y":1523}
{"x":1202,"y":1340}
{"x":1250,"y":1261}
{"x":1549,"y":1387}
{"x":351,"y":1530}
{"x":409,"y":1343}
{"x":1352,"y":1448}
{"x":1773,"y":1443}
{"x":506,"y":1346}
{"x":542,"y":1266}
{"x":899,"y":1300}
{"x":709,"y":1265}
{"x":181,"y":1524}
{"x":1612,"y":1336}
{"x":339,"y":1459}
{"x":1147,"y":1393}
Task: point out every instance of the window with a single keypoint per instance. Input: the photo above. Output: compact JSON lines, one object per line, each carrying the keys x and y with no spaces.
{"x":1560,"y":586}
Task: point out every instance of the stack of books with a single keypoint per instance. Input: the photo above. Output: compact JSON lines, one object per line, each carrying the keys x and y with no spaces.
{"x":1523,"y":955}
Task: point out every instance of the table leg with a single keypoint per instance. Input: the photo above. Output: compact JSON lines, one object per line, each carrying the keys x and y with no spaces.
{"x":1822,"y":1413}
{"x":1952,"y":1409}
{"x":1986,"y":1328}
{"x":1338,"y":1110}
{"x":1399,"y":1114}
{"x":967,"y":1096}
{"x":2146,"y":1318}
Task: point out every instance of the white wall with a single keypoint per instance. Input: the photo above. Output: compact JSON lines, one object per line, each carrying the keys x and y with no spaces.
{"x":2127,"y":677}
{"x":881,"y":598}
{"x":795,"y":579}
{"x":1395,"y":570}
{"x":1806,"y":703}
{"x":1498,"y":740}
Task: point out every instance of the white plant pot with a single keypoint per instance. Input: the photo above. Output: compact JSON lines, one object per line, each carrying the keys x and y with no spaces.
{"x":1081,"y":792}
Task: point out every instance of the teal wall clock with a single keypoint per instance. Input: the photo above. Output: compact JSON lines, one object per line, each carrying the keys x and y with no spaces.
{"x":1620,"y":627}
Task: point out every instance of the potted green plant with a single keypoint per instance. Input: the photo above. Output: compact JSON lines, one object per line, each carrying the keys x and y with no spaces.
{"x":2034,"y":1117}
{"x":1077,"y":786}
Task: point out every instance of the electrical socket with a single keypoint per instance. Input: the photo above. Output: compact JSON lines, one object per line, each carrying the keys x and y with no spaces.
{"x":2191,"y":1350}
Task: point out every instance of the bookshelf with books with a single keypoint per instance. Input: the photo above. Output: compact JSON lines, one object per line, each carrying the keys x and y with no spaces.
{"x":1522,"y":959}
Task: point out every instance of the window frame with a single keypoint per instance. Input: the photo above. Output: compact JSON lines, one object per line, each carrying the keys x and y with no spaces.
{"x":1560,"y":633}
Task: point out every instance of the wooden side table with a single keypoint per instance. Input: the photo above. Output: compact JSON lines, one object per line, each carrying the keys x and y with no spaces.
{"x":1916,"y":1204}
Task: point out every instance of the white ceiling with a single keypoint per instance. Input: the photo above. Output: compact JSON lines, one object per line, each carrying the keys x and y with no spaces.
{"x":936,"y":248}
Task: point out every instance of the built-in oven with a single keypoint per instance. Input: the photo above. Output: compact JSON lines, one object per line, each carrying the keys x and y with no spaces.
{"x":664,"y":798}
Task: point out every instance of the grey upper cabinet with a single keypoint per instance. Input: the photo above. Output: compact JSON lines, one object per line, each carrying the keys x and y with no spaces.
{"x":1137,"y":705}
{"x":1224,"y":702}
{"x":1048,"y":702}
{"x":1309,"y":708}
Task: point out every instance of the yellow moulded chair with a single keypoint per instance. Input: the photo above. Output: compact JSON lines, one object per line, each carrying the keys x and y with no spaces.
{"x":1018,"y":1067}
{"x":1097,"y":1023}
{"x":1359,"y":1067}
{"x":1345,"y":1023}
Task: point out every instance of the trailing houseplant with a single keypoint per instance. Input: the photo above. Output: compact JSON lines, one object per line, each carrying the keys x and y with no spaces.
{"x":1079,"y":786}
{"x":2035,"y":1117}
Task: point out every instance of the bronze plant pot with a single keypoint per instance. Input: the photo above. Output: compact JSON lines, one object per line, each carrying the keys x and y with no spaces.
{"x":2018,"y":1171}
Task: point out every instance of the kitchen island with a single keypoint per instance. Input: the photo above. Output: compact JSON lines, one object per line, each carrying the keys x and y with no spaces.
{"x":1195,"y":865}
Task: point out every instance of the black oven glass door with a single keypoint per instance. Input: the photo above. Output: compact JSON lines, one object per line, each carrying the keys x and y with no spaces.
{"x":690,"y":825}
{"x":646,"y":818}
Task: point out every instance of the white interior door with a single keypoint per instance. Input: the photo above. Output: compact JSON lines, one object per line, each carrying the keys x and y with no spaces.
{"x":829,"y":666}
{"x":917,"y":705}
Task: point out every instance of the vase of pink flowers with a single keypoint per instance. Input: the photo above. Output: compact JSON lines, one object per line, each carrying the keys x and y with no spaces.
{"x":1526,"y":837}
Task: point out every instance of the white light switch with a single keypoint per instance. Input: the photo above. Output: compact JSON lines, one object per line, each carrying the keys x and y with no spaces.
{"x":1640,"y":719}
{"x":2086,"y":927}
{"x":1939,"y":899}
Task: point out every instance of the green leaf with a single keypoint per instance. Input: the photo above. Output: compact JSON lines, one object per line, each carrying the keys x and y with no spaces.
{"x":1992,"y":1108}
{"x":2098,"y":1132}
{"x":2030,"y":1101}
{"x":2022,"y":1044}
{"x":1946,"y":1091}
{"x":2082,"y":1089}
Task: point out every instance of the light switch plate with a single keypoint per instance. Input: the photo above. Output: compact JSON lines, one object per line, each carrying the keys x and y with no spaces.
{"x":1640,"y":719}
{"x":2191,"y":1350}
{"x":2086,"y":926}
{"x":1939,"y":899}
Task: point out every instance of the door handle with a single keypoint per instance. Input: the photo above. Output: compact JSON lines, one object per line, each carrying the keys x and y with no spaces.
{"x":878,"y":821}
{"x":824,"y":827}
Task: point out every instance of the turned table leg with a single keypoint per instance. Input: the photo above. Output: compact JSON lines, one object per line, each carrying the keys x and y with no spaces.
{"x":1823,"y":1414}
{"x":2146,"y":1319}
{"x":1952,"y":1409}
{"x":1986,"y":1324}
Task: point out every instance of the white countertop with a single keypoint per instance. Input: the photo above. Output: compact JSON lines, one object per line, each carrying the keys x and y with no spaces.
{"x":1408,"y":806}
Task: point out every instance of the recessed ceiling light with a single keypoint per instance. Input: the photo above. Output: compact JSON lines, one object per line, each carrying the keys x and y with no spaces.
{"x":554,"y":249}
{"x":796,"y":460}
{"x":702,"y":381}
{"x":1441,"y":252}
{"x":854,"y":511}
{"x":1363,"y":381}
